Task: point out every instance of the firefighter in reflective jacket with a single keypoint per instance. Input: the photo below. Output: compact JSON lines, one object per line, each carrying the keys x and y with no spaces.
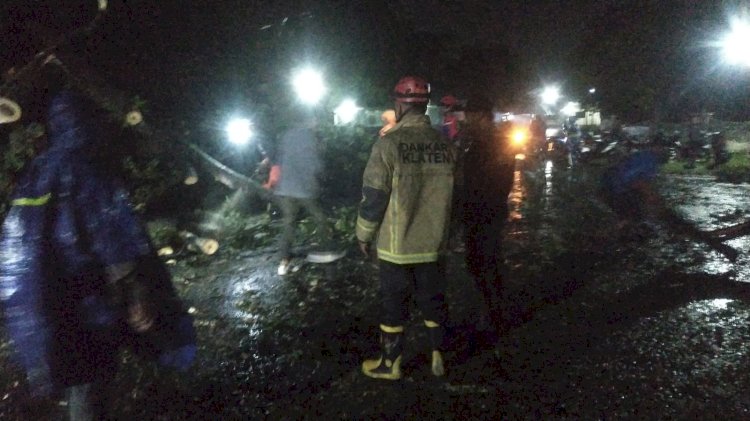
{"x":407,"y":188}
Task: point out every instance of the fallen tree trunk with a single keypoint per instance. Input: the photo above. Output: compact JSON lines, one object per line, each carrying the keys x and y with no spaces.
{"x":680,"y":225}
{"x":18,"y":80}
{"x":123,"y":109}
{"x":120,"y":105}
{"x":729,"y":233}
{"x":207,"y":246}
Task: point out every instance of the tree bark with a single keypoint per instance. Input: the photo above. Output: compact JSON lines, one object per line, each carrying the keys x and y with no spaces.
{"x":120,"y":105}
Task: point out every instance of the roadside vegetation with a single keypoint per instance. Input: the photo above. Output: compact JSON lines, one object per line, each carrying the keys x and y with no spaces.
{"x":735,"y":170}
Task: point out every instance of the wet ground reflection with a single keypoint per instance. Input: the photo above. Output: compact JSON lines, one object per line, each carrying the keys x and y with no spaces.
{"x":516,"y":197}
{"x":599,"y":327}
{"x":713,"y":205}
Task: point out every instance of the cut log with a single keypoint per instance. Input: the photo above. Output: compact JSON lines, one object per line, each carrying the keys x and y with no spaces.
{"x":120,"y":106}
{"x":191,"y":176}
{"x":207,"y":246}
{"x":10,"y":111}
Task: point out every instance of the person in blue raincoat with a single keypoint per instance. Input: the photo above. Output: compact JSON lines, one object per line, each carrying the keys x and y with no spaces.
{"x":78,"y":275}
{"x":629,"y":188}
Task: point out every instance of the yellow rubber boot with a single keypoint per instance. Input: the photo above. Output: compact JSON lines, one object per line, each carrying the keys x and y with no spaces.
{"x":435,"y":333}
{"x":388,"y":365}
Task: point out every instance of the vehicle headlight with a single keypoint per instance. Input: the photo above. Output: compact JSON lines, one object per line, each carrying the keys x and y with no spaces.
{"x":519,"y":138}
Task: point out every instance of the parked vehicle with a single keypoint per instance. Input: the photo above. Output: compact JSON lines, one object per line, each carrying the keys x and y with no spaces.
{"x":556,"y":148}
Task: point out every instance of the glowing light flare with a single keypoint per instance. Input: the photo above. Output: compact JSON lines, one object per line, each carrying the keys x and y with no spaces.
{"x":239,"y":131}
{"x":518,"y":137}
{"x":347,"y":111}
{"x":550,"y":95}
{"x":309,"y":86}
{"x":571,"y":109}
{"x":736,"y":44}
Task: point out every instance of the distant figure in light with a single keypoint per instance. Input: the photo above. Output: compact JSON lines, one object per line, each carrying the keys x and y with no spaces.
{"x":300,"y":163}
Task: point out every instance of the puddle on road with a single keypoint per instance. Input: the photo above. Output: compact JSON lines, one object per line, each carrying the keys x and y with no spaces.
{"x":709,"y":306}
{"x":712,"y":205}
{"x":517,"y":196}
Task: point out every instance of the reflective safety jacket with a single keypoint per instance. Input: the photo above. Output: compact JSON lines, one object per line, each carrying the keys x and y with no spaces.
{"x":406,"y":193}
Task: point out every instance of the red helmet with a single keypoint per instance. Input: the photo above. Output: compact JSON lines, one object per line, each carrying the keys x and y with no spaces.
{"x":448,"y":101}
{"x":412,"y":89}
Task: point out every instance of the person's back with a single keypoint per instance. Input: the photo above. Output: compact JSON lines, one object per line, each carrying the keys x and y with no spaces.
{"x":422,"y":175}
{"x":298,"y":188}
{"x":300,"y":162}
{"x":406,"y":203}
{"x":488,"y":176}
{"x":488,"y":170}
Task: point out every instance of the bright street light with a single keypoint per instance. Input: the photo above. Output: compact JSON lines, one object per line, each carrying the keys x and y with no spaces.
{"x":736,"y":44}
{"x":571,"y":109}
{"x":550,"y":95}
{"x":239,"y":131}
{"x":309,"y":86}
{"x":592,"y":90}
{"x":346,"y":112}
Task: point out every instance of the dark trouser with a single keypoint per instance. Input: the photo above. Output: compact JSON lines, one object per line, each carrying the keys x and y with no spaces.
{"x":484,"y":260}
{"x":456,"y":231}
{"x":627,"y":204}
{"x":85,"y":402}
{"x":290,"y":207}
{"x":88,"y":401}
{"x":397,"y":282}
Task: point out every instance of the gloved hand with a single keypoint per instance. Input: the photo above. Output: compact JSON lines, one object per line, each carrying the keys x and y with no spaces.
{"x":273,"y":177}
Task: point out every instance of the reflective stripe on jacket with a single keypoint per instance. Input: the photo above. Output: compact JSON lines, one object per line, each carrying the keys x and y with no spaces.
{"x":407,"y":189}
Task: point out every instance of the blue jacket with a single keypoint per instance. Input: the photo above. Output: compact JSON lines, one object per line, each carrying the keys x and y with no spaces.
{"x":67,"y":223}
{"x":639,"y":166}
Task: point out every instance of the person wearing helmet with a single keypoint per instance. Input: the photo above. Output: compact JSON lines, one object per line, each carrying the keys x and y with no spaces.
{"x":451,"y":118}
{"x":406,"y":204}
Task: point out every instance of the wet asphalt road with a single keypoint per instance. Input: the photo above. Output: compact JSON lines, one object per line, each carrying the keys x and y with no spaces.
{"x":602,"y":326}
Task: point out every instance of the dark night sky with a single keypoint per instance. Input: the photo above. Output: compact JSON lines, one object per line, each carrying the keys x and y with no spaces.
{"x":186,"y":54}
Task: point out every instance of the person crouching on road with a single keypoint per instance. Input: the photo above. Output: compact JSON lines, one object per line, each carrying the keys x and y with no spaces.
{"x":407,"y":188}
{"x":629,"y":188}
